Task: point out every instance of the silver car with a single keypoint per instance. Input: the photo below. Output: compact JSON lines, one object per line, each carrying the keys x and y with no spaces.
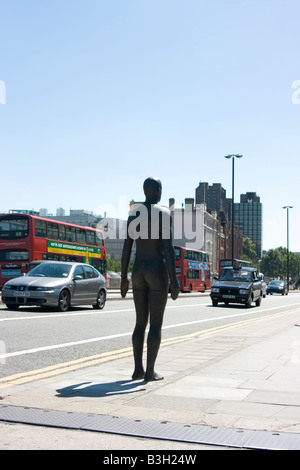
{"x":56,"y":284}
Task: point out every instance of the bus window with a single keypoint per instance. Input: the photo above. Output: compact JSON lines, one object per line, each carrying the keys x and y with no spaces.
{"x":70,"y":234}
{"x":192,"y":274}
{"x":40,"y":228}
{"x":62,"y":233}
{"x":14,"y":255}
{"x":177,"y":252}
{"x":99,"y":240}
{"x":90,"y":237}
{"x":52,"y":231}
{"x":13,"y":227}
{"x":81,"y":235}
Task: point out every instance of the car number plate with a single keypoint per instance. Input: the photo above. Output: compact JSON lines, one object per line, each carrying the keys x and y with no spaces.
{"x":229,"y":296}
{"x":16,"y":293}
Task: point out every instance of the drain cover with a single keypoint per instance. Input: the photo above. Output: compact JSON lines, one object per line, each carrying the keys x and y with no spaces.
{"x":198,"y":434}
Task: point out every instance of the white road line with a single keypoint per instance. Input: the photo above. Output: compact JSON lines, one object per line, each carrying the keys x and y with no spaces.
{"x":110,"y":337}
{"x":68,"y":314}
{"x":96,"y":312}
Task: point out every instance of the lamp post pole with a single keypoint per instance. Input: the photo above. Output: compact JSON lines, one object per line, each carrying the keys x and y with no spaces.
{"x":287,"y":246}
{"x":232,"y":156}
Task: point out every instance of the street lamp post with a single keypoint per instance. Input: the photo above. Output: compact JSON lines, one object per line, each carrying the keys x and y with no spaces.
{"x":287,"y":246}
{"x":232,"y":156}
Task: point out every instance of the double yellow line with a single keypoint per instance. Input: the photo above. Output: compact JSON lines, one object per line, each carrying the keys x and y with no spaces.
{"x":89,"y":361}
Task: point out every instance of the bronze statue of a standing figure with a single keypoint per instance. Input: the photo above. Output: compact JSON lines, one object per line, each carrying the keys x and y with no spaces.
{"x":149,"y":225}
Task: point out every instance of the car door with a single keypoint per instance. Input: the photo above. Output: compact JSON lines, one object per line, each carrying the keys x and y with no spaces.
{"x":92,"y":282}
{"x":256,"y":286}
{"x":80,"y":291}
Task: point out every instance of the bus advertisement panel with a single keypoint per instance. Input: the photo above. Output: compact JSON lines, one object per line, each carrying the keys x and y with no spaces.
{"x":192,"y":269}
{"x":25,"y":238}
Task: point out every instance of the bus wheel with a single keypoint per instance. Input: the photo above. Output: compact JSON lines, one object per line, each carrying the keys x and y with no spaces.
{"x":64,"y":301}
{"x":101,"y":299}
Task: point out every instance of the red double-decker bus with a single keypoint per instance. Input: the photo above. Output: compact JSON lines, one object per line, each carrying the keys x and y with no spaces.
{"x":192,"y":269}
{"x":25,"y":238}
{"x":237,"y":263}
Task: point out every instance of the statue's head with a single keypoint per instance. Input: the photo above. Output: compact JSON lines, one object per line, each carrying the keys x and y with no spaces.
{"x":152,"y":189}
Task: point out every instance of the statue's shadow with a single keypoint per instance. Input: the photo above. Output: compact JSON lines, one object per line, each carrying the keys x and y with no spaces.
{"x":120,"y":387}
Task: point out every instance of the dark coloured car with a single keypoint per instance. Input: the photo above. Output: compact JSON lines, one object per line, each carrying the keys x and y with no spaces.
{"x":263,"y":284}
{"x":56,"y":284}
{"x":277,"y":287}
{"x":237,"y":285}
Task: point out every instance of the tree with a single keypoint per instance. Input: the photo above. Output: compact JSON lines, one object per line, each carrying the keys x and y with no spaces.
{"x":249,"y":252}
{"x":274,"y":263}
{"x":113,"y":264}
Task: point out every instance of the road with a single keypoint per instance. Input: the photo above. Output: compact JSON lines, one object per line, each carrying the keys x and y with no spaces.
{"x":32,"y":339}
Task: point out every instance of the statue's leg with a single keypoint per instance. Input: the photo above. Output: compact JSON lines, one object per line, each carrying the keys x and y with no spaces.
{"x":157,"y":304}
{"x":142,"y":312}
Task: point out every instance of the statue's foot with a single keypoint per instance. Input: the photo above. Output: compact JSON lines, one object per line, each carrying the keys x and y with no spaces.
{"x":138,"y":374}
{"x":153,"y":376}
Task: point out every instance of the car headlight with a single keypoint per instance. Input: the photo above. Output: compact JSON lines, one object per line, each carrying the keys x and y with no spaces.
{"x":43,"y":288}
{"x":244,"y":291}
{"x":216,"y":290}
{"x":7,"y":286}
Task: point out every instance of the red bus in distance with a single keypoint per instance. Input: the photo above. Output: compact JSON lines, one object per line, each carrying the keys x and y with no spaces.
{"x":25,"y":238}
{"x":238,"y":263}
{"x":192,"y":269}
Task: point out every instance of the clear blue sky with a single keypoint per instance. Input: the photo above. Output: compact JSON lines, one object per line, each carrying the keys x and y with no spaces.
{"x":102,"y":94}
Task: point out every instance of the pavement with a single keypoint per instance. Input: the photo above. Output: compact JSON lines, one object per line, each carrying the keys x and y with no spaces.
{"x":228,"y":387}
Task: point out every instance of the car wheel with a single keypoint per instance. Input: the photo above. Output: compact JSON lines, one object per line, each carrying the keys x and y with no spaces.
{"x":101,"y":299}
{"x":215,"y":303}
{"x":258,"y":302}
{"x":64,"y":301}
{"x":12,"y":306}
{"x":248,"y":302}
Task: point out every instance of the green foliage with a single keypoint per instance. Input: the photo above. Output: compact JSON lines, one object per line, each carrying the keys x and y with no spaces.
{"x":274,"y":263}
{"x":249,"y":252}
{"x":114,"y":264}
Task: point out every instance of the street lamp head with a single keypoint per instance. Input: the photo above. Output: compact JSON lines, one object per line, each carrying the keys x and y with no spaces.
{"x":237,"y":155}
{"x":287,"y":207}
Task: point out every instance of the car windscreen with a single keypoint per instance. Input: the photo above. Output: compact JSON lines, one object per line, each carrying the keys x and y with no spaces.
{"x":235,"y":275}
{"x":50,"y":270}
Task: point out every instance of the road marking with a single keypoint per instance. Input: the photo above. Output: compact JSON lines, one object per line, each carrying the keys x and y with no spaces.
{"x":69,"y":314}
{"x":120,"y":335}
{"x":50,"y":371}
{"x":95,"y":312}
{"x":45,"y":373}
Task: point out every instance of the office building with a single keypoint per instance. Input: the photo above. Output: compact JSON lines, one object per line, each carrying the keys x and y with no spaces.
{"x":248,"y":217}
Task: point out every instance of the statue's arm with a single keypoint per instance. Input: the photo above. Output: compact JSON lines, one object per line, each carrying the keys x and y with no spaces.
{"x":169,"y":253}
{"x":126,"y":253}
